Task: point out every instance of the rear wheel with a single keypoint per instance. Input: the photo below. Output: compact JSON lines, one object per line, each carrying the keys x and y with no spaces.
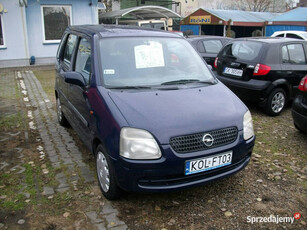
{"x":105,"y":174}
{"x":276,"y":102}
{"x":60,"y":115}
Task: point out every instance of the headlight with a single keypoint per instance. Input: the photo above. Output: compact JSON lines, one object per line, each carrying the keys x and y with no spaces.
{"x":248,"y":128}
{"x":138,"y":144}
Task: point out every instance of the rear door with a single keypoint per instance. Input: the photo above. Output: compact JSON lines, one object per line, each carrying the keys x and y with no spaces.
{"x":78,"y":96}
{"x":294,"y":63}
{"x":239,"y":59}
{"x":63,"y":66}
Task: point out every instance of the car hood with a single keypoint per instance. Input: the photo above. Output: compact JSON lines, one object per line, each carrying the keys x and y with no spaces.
{"x":171,"y":113}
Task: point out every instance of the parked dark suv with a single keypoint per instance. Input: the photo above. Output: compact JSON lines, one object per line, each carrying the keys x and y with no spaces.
{"x":208,"y":46}
{"x":265,"y":70}
{"x":144,"y":102}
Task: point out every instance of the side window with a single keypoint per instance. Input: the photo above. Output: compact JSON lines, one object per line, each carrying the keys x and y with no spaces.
{"x":296,"y":54}
{"x":83,"y":61}
{"x":200,"y":47}
{"x":293,"y":36}
{"x":285,"y":54}
{"x":280,"y":35}
{"x":70,"y":45}
{"x":212,"y":46}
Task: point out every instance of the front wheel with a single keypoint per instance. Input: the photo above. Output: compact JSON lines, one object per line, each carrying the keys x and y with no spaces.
{"x":276,"y":102}
{"x":105,"y":174}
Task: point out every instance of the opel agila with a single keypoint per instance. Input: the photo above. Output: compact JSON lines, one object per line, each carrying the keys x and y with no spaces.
{"x":149,"y":108}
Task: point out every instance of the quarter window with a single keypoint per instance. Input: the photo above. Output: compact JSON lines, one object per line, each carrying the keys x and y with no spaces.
{"x":83,"y":61}
{"x":295,"y":54}
{"x":55,"y":20}
{"x":70,"y":45}
{"x":1,"y":32}
{"x":293,"y":36}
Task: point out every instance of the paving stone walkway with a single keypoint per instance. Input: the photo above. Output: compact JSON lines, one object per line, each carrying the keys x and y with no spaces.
{"x":59,"y":147}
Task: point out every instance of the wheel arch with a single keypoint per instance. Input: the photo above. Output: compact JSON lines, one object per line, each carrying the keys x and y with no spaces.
{"x":96,"y":141}
{"x":280,"y":83}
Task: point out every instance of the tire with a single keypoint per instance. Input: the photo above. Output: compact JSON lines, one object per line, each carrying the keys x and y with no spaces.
{"x":276,"y":102}
{"x":106,"y":175}
{"x":60,"y":115}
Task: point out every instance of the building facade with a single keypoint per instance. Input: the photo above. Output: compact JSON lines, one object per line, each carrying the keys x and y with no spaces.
{"x":33,"y":28}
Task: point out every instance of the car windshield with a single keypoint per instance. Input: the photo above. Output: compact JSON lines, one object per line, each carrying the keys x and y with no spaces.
{"x":243,"y":50}
{"x":151,"y":61}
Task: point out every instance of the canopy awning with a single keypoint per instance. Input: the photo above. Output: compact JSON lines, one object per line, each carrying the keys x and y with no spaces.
{"x":142,"y":13}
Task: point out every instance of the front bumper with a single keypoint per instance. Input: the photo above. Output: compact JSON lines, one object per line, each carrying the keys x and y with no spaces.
{"x":252,"y":90}
{"x":167,"y":173}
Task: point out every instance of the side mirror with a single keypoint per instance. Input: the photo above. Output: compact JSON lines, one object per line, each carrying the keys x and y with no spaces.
{"x":74,"y":78}
{"x":210,"y":67}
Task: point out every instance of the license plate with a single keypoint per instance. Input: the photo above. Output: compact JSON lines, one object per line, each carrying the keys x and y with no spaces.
{"x":235,"y":72}
{"x":208,"y":163}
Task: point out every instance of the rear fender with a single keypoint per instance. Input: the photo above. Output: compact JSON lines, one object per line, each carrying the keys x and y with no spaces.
{"x":279,"y":83}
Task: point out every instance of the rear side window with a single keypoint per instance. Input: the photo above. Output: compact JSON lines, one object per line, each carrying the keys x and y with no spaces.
{"x":293,"y":36}
{"x":293,"y":53}
{"x":83,"y":61}
{"x":244,"y":50}
{"x":212,"y":46}
{"x":70,"y":45}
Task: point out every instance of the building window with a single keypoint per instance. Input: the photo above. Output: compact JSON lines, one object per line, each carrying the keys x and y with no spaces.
{"x":1,"y":33}
{"x":55,"y":20}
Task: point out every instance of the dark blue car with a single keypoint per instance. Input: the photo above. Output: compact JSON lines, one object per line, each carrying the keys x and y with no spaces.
{"x":148,"y":107}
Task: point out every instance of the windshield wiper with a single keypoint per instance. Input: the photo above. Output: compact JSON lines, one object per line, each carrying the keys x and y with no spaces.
{"x":129,"y":87}
{"x":186,"y":81}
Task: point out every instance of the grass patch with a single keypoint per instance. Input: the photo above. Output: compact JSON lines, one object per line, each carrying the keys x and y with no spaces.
{"x":12,"y":205}
{"x":10,"y":122}
{"x":14,"y":200}
{"x":47,"y":80}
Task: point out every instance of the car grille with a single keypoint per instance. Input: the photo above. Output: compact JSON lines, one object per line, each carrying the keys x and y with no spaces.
{"x":194,"y":142}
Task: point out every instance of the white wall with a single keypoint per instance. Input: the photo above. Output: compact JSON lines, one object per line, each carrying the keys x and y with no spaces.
{"x":15,"y":51}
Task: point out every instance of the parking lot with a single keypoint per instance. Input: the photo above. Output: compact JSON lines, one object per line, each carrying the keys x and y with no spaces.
{"x":48,"y":180}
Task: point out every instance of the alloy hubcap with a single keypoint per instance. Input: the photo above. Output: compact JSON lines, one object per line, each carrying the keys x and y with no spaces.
{"x":278,"y":102}
{"x":103,"y":172}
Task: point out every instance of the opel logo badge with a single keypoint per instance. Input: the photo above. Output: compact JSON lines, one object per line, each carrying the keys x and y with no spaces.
{"x":208,"y":140}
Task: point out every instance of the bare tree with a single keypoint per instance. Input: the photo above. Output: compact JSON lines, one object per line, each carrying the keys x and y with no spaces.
{"x":108,"y":4}
{"x":250,"y":5}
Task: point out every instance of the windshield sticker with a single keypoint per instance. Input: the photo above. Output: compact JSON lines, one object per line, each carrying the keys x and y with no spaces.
{"x":149,"y":55}
{"x":109,"y":71}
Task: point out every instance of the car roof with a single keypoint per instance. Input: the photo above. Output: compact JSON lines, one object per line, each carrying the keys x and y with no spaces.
{"x":290,"y":31}
{"x":196,"y":37}
{"x":120,"y":31}
{"x":269,"y":39}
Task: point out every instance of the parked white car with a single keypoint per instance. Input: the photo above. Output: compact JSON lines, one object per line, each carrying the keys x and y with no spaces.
{"x":291,"y":34}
